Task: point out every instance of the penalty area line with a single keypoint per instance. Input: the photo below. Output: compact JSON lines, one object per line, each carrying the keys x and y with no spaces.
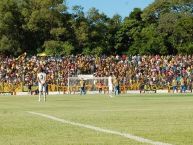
{"x":98,"y":129}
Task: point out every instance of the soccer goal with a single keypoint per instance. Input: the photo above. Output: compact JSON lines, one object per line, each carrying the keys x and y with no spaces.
{"x":92,"y":84}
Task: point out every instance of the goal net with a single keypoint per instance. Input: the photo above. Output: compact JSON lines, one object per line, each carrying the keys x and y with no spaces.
{"x":93,"y":84}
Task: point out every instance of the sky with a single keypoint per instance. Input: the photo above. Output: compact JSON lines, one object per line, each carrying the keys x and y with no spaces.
{"x":110,"y":7}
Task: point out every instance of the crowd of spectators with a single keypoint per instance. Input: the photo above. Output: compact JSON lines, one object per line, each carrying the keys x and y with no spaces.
{"x":159,"y":70}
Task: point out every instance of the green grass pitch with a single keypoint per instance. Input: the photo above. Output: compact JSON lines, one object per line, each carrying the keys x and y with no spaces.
{"x":165,"y":118}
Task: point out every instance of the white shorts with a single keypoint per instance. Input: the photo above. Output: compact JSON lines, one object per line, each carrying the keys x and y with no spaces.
{"x":42,"y":88}
{"x":110,"y":88}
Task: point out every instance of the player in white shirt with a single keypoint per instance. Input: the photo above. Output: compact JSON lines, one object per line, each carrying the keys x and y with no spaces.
{"x":110,"y":85}
{"x":41,"y":76}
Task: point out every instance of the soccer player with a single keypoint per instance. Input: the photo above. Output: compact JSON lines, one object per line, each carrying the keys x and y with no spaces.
{"x":42,"y":84}
{"x":100,"y":87}
{"x":30,"y":88}
{"x":82,"y":87}
{"x":182,"y":83}
{"x":174,"y":85}
{"x":110,"y":84}
{"x":116,"y":86}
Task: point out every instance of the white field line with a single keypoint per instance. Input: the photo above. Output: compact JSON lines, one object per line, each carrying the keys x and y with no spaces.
{"x":98,"y":129}
{"x":121,"y":110}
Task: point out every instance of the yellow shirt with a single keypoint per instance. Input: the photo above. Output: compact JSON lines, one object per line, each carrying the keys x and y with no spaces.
{"x":81,"y":83}
{"x":174,"y":82}
{"x":116,"y":83}
{"x":182,"y":81}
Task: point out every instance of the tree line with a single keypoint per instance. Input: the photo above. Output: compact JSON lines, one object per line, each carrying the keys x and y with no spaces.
{"x":35,"y":26}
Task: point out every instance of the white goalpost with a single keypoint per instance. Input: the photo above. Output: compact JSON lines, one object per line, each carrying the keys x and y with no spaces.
{"x":93,"y":84}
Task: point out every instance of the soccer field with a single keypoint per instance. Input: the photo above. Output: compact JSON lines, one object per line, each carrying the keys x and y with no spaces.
{"x":97,"y":120}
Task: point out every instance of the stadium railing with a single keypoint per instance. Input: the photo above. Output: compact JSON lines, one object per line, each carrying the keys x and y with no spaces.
{"x":19,"y":87}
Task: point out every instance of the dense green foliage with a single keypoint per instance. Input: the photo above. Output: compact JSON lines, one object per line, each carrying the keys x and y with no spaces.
{"x":33,"y":26}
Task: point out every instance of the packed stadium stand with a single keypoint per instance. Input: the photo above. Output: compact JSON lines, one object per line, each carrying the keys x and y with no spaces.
{"x":142,"y":73}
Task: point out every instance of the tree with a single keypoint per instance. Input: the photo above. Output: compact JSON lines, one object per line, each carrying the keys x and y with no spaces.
{"x":80,"y":27}
{"x":58,"y":48}
{"x":113,"y":26}
{"x":164,"y":27}
{"x":172,"y":19}
{"x":44,"y":20}
{"x":159,"y":7}
{"x":183,"y":34}
{"x":98,"y":30}
{"x":152,"y":42}
{"x":127,"y":37}
{"x":10,"y":28}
